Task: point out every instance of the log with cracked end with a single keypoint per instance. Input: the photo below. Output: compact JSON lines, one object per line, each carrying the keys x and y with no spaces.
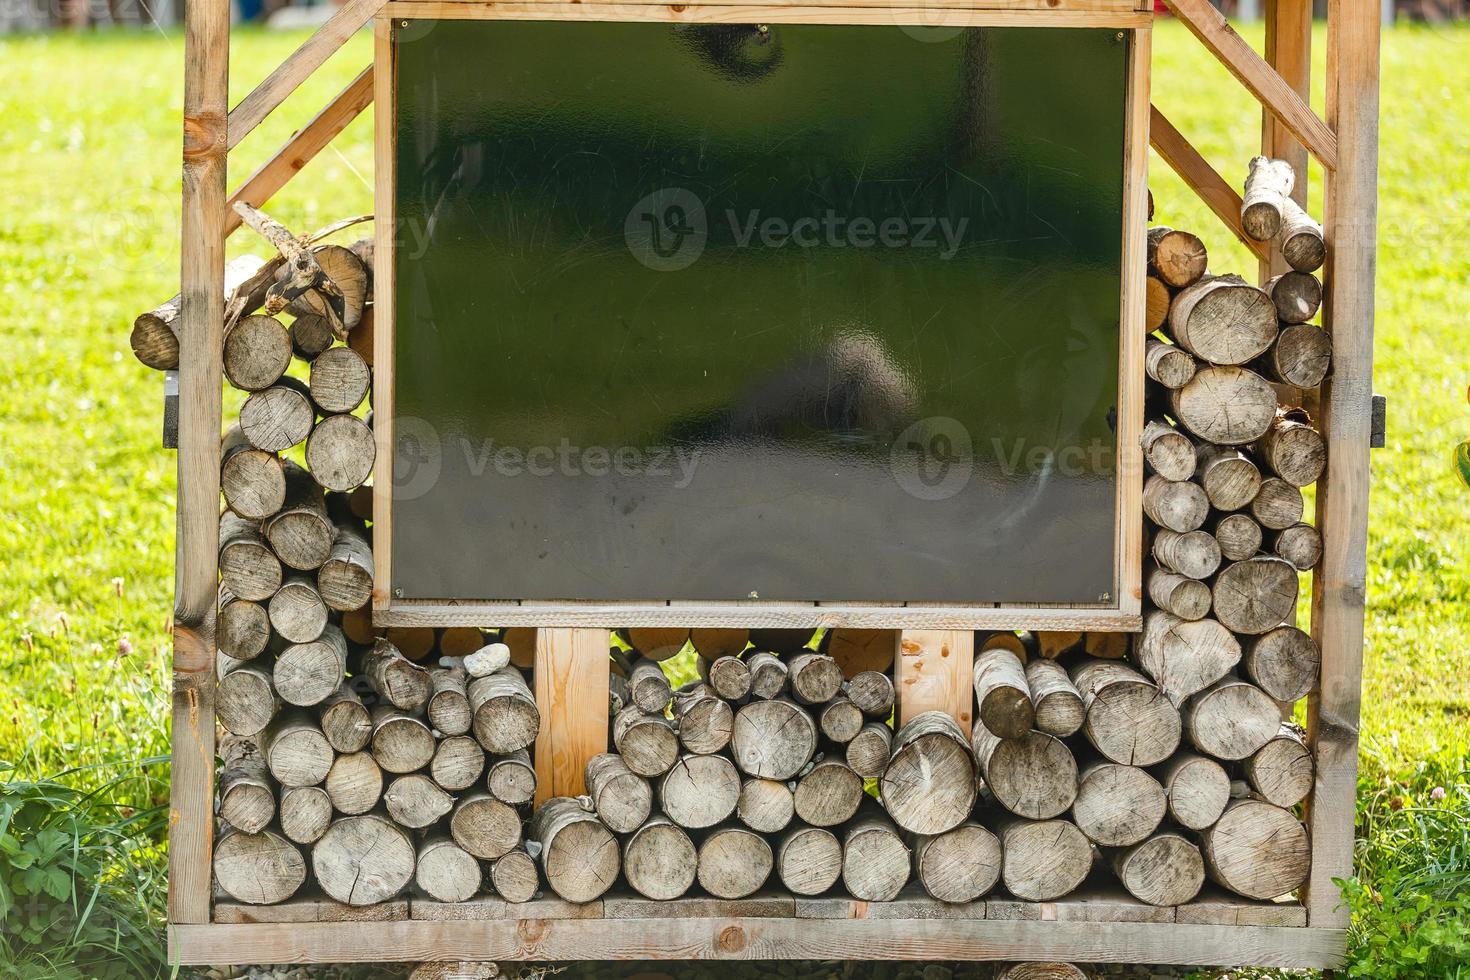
{"x":1033,"y":776}
{"x":929,"y":784}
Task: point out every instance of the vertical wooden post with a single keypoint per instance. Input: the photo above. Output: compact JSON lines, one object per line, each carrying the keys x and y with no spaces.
{"x":1130,"y":354}
{"x":196,"y":555}
{"x":385,"y":227}
{"x":571,"y":694}
{"x":1289,"y":51}
{"x":1342,"y":494}
{"x":932,"y":671}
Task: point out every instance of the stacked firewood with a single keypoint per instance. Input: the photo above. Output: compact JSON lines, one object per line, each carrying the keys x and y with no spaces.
{"x":753,"y":772}
{"x":358,"y":758}
{"x":375,"y":761}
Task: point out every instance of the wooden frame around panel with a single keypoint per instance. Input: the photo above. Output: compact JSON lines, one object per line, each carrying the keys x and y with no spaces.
{"x":1243,"y":933}
{"x":1123,"y":613}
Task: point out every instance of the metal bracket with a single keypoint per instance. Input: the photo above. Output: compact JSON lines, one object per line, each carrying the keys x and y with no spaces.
{"x":1378,"y":427}
{"x":171,"y":409}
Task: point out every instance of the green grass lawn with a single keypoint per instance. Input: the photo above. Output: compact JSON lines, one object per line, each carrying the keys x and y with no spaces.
{"x":89,"y":199}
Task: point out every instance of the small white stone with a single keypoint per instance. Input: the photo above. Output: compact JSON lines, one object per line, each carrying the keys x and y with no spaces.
{"x":487,"y":660}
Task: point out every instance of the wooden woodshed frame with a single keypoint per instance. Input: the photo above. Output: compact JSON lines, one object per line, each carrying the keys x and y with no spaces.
{"x":1214,"y":932}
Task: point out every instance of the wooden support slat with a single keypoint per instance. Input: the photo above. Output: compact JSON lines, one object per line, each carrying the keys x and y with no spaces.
{"x":1202,"y":178}
{"x":1251,"y":70}
{"x":742,"y":615}
{"x":1065,"y":14}
{"x":384,"y":226}
{"x":932,"y":672}
{"x":196,"y":568}
{"x":598,"y":9}
{"x":314,"y":51}
{"x":535,"y":937}
{"x":1289,"y":52}
{"x":1346,"y":419}
{"x":307,"y":142}
{"x":571,"y":693}
{"x":1129,"y":520}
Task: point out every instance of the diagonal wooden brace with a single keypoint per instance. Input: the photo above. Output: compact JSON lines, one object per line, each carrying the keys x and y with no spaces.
{"x":314,"y":51}
{"x":1202,"y":178}
{"x":1263,"y":82}
{"x":307,"y":142}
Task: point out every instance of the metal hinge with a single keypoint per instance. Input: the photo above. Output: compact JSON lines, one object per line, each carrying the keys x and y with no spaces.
{"x":171,"y":409}
{"x":1378,"y":426}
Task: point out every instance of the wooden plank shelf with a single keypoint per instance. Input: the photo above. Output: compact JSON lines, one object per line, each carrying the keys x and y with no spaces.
{"x":1093,"y":903}
{"x":811,"y":929}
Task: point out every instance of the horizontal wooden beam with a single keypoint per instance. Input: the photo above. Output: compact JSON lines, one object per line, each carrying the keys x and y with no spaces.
{"x":1045,"y":6}
{"x":308,"y":141}
{"x":351,"y":17}
{"x":964,"y":13}
{"x":756,"y":939}
{"x":1259,"y":78}
{"x":1202,"y":178}
{"x":774,"y":615}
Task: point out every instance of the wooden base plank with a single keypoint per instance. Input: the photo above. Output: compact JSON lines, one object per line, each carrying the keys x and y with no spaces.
{"x":756,"y":939}
{"x":310,"y":909}
{"x":915,"y":903}
{"x":764,"y":906}
{"x":491,"y":907}
{"x":831,"y":907}
{"x":1216,"y":908}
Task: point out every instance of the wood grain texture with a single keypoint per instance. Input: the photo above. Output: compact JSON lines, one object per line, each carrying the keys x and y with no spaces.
{"x":196,"y":570}
{"x":384,"y":226}
{"x":1288,"y":49}
{"x":545,"y":938}
{"x":933,"y":671}
{"x":1342,"y":493}
{"x":612,"y":7}
{"x":571,"y":694}
{"x":303,"y":145}
{"x":298,"y":67}
{"x":436,"y":613}
{"x":1260,"y":79}
{"x":1127,"y":592}
{"x":946,"y":13}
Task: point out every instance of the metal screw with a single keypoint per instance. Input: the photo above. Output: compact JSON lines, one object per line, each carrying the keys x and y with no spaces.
{"x":763,"y":29}
{"x":398,"y":593}
{"x":1119,"y":36}
{"x":404,"y":23}
{"x":754,"y":594}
